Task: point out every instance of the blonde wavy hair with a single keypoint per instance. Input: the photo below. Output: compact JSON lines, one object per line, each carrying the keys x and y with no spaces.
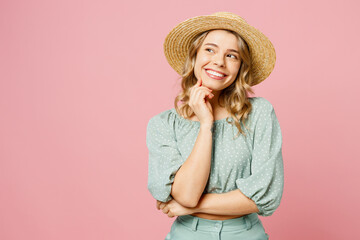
{"x":234,"y":97}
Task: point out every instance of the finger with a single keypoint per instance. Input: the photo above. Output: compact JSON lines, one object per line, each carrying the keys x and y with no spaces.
{"x":165,"y":209}
{"x":198,"y":83}
{"x":209,"y":96}
{"x":162,"y":205}
{"x":203,"y":88}
{"x":199,"y":90}
{"x":201,"y":95}
{"x":158,"y":204}
{"x":207,"y":88}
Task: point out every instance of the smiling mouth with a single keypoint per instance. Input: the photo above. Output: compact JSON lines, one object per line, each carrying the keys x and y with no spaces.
{"x":214,"y":75}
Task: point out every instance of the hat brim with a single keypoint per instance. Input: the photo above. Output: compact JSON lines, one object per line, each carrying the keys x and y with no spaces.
{"x":177,"y":42}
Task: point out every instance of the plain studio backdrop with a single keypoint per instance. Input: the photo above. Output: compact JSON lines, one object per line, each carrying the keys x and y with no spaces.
{"x":79,"y":81}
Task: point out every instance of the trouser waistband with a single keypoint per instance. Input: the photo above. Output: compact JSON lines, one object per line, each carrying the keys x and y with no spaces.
{"x":244,"y":222}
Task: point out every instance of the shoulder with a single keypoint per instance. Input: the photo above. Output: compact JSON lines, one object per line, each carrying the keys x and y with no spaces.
{"x":162,"y":120}
{"x":261,"y":104}
{"x":262,"y":111}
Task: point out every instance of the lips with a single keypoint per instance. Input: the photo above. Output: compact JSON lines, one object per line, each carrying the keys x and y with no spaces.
{"x":216,"y":71}
{"x":214,"y":77}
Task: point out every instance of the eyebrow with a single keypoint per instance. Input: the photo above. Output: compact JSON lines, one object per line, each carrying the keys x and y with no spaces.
{"x":213,"y":44}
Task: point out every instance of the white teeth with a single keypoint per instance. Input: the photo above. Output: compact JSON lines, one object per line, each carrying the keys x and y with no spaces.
{"x":215,"y":73}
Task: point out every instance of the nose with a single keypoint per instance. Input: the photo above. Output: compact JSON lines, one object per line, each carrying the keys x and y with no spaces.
{"x":219,"y":60}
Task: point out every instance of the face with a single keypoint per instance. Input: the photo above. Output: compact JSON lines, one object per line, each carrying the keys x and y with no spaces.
{"x":220,"y":53}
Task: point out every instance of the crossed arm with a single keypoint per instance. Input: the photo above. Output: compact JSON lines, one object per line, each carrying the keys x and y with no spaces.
{"x":230,"y":203}
{"x":191,"y":180}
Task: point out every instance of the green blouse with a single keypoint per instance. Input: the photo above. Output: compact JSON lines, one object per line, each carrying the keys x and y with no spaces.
{"x":251,"y":163}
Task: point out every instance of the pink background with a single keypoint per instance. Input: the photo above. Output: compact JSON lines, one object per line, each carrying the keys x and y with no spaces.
{"x":79,"y":81}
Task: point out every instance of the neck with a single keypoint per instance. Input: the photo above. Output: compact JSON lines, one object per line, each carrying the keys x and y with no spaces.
{"x":214,"y":101}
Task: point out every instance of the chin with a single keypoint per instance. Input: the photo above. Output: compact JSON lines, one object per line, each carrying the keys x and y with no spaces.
{"x":213,"y":82}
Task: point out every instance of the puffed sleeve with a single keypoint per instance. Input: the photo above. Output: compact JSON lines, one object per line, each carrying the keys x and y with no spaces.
{"x":164,"y":157}
{"x":266,"y":181}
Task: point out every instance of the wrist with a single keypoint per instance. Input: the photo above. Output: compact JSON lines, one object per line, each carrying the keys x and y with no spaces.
{"x":195,"y":209}
{"x":199,"y":206}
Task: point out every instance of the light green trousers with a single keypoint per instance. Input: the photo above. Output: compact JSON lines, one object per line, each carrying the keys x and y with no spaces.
{"x":188,"y":227}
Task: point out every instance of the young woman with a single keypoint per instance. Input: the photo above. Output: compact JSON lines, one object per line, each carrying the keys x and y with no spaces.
{"x":215,"y":159}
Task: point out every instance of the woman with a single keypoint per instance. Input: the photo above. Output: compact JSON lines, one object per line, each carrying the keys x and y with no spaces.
{"x":217,"y":183}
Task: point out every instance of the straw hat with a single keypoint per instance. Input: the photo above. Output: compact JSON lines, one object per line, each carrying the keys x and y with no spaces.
{"x":178,"y":41}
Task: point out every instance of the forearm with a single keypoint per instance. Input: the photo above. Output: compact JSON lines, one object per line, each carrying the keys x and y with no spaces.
{"x":230,"y":203}
{"x":192,"y":177}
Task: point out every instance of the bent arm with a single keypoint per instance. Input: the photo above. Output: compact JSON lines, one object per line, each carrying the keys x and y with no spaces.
{"x":230,"y":203}
{"x":191,"y":179}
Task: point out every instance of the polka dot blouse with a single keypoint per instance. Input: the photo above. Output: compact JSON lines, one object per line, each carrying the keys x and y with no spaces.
{"x":251,"y":163}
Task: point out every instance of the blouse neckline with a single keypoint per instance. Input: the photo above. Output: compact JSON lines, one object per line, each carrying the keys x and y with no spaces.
{"x":223,"y":120}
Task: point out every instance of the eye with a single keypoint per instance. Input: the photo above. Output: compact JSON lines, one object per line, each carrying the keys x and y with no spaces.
{"x":208,"y":49}
{"x":232,"y":55}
